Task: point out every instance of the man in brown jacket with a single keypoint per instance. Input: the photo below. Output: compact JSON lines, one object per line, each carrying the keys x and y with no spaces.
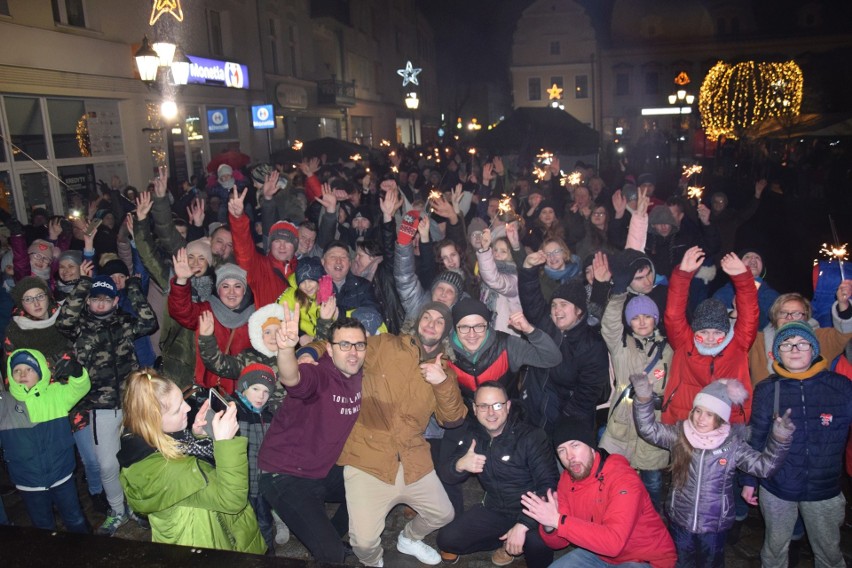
{"x":387,"y":461}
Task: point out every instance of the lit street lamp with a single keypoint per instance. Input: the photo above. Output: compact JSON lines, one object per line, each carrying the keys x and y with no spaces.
{"x":682,"y":101}
{"x":163,"y":67}
{"x":412,"y":103}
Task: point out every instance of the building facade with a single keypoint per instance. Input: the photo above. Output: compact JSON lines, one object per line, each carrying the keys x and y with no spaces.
{"x":74,"y":111}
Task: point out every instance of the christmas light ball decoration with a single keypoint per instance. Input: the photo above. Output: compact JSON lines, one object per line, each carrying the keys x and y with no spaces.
{"x":734,"y":97}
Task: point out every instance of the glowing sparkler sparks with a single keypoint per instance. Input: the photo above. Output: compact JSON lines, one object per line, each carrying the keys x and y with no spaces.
{"x":355,"y":157}
{"x":395,"y":169}
{"x":472,"y":151}
{"x":505,"y":205}
{"x":837,"y":252}
{"x":691,"y":170}
{"x":545,"y":157}
{"x":574,"y":178}
{"x":695,"y":192}
{"x":297,"y":145}
{"x":435,"y":195}
{"x":384,"y":143}
{"x":539,"y":172}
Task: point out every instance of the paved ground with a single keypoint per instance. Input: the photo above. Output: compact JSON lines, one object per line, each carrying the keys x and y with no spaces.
{"x":744,"y":555}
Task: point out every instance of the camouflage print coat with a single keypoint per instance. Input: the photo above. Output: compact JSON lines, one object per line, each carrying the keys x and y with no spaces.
{"x":105,"y":345}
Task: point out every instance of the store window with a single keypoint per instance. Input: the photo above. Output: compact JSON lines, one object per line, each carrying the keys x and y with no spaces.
{"x":222,"y":128}
{"x":4,"y":8}
{"x":26,"y":128}
{"x":534,"y":89}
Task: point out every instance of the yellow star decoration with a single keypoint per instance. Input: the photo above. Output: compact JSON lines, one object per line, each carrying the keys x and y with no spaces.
{"x":682,"y":79}
{"x":555,"y":92}
{"x":166,"y":7}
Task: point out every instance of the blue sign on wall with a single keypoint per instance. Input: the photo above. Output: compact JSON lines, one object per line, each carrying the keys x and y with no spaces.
{"x":262,"y":117}
{"x":203,"y":71}
{"x":217,"y":120}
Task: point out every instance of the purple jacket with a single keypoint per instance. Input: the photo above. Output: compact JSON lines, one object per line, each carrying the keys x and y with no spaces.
{"x":314,"y":421}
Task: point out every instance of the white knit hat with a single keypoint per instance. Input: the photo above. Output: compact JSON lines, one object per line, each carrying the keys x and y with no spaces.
{"x":720,"y":395}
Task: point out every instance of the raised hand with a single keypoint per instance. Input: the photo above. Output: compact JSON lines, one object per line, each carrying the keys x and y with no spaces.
{"x":844,"y":292}
{"x":161,"y":182}
{"x":600,"y":267}
{"x":327,"y":199}
{"x":512,"y":235}
{"x":181,"y":267}
{"x":536,"y":258}
{"x":783,"y":427}
{"x":619,"y":203}
{"x":759,"y":187}
{"x":471,"y":462}
{"x":519,"y":321}
{"x":485,"y":239}
{"x":433,"y":373}
{"x":287,"y":336}
{"x":456,"y":197}
{"x":328,"y":309}
{"x":424,"y":225}
{"x":390,"y":203}
{"x":270,"y":184}
{"x":143,"y":205}
{"x":732,"y":265}
{"x":692,"y":259}
{"x":128,"y":223}
{"x":499,"y":168}
{"x":642,"y":386}
{"x":54,"y":229}
{"x":236,"y":204}
{"x":487,"y":173}
{"x":195,"y":212}
{"x":309,"y":166}
{"x":642,"y":202}
{"x":206,"y":323}
{"x":703,"y":214}
{"x":87,"y":268}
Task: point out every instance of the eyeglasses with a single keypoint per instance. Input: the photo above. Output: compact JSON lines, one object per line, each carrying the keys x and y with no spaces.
{"x":599,"y":214}
{"x":496,"y":407}
{"x":787,"y":347}
{"x":556,"y":252}
{"x":40,"y":257}
{"x":33,"y":299}
{"x":791,"y":315}
{"x":478,"y":328}
{"x":347,"y":346}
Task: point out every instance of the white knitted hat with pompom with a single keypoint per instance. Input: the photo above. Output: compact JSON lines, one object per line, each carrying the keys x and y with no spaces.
{"x":720,"y":395}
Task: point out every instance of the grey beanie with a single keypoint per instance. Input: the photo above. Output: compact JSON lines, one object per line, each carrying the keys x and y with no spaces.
{"x":711,"y":314}
{"x":75,"y":256}
{"x":441,"y":309}
{"x":452,"y":278}
{"x":230,"y":271}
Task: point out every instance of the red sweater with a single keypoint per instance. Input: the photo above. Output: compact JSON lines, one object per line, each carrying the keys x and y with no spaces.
{"x":691,"y":371}
{"x":186,"y":312}
{"x":267,"y":277}
{"x":610,"y":514}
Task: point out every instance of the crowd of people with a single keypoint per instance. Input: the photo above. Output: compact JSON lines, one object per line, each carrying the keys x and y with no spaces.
{"x":229,"y":356}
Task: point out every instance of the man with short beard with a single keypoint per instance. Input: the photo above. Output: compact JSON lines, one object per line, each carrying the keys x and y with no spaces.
{"x":600,"y":507}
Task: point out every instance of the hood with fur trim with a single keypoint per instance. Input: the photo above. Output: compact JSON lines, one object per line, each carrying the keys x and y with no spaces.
{"x":257,"y":319}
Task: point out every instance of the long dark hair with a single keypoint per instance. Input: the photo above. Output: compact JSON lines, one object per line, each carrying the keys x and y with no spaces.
{"x":682,"y":453}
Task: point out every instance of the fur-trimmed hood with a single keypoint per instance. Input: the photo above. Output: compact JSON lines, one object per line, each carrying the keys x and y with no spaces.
{"x":257,"y":319}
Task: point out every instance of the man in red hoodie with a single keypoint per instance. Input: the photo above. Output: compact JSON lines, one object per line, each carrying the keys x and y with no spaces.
{"x":267,"y":274}
{"x":600,"y":507}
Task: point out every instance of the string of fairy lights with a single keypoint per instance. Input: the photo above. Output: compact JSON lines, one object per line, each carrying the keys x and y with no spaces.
{"x":735,"y":97}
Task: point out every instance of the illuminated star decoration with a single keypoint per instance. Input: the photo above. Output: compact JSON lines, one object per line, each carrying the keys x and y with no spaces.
{"x":166,"y":7}
{"x":555,"y":92}
{"x":409,"y":74}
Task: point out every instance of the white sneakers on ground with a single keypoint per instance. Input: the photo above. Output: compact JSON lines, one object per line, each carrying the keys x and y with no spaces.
{"x":418,"y":549}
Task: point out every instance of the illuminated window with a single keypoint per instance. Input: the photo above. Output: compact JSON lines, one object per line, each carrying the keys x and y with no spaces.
{"x":581,"y":87}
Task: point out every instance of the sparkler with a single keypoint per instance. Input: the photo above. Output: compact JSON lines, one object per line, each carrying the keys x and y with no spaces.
{"x":695,"y":192}
{"x":355,"y":157}
{"x":837,"y":252}
{"x":297,"y":145}
{"x":384,"y":143}
{"x":574,"y":178}
{"x":691,"y":170}
{"x":545,"y":157}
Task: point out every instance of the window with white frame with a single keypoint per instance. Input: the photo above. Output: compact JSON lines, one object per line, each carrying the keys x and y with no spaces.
{"x":69,"y":12}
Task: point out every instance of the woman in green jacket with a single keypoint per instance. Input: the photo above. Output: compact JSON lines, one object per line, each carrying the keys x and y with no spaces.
{"x":167,"y":471}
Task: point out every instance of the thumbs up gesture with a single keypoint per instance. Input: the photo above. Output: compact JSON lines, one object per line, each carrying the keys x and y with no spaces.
{"x":433,"y":372}
{"x":471,"y":461}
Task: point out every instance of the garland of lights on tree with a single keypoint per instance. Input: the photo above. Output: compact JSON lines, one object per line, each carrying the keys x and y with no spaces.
{"x":734,"y":97}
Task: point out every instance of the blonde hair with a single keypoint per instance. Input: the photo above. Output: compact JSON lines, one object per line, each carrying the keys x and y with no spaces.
{"x":144,"y":393}
{"x":775,"y":310}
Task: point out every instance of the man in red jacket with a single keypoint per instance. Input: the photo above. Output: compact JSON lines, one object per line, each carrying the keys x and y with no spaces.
{"x":267,"y":274}
{"x":601,"y":507}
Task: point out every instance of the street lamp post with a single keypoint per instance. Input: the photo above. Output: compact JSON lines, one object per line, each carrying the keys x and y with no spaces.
{"x":412,"y":103}
{"x":164,"y":67}
{"x":683,"y":101}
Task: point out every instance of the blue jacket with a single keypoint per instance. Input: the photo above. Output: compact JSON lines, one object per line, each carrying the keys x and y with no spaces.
{"x":822,"y":413}
{"x":766,"y":296}
{"x":34,"y":429}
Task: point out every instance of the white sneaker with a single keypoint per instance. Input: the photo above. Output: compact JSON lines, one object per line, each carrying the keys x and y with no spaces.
{"x":418,"y":549}
{"x":282,"y":533}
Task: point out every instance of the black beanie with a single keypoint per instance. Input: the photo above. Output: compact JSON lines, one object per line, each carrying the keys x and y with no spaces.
{"x":29,"y":283}
{"x":469,"y":307}
{"x":711,"y":314}
{"x":572,"y":291}
{"x":114,"y":266}
{"x":578,"y":429}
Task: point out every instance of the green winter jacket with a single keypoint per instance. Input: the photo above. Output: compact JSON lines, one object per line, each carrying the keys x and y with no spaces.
{"x":190,"y":502}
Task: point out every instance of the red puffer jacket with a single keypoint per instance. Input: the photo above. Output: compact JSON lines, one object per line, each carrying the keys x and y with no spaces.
{"x":691,"y":371}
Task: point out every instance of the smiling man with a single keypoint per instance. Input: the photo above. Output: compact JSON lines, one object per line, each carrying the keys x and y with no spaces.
{"x":510,"y":458}
{"x":351,"y":291}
